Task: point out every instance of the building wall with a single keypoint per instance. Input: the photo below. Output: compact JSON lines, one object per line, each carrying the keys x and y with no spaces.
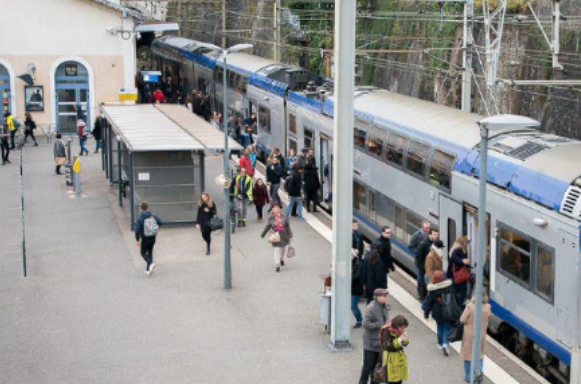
{"x":54,"y":31}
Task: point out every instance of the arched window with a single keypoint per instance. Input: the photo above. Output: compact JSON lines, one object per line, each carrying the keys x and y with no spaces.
{"x":5,"y":94}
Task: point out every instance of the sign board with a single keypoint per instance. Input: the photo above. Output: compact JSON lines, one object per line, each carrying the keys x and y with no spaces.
{"x":128,"y":94}
{"x":150,"y":76}
{"x":71,"y":69}
{"x":34,"y":98}
{"x":143,"y":176}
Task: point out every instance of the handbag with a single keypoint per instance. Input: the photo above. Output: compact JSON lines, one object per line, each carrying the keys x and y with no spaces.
{"x":456,"y":332}
{"x":291,"y":252}
{"x":380,"y":373}
{"x":60,"y":161}
{"x":450,"y":308}
{"x":273,"y":237}
{"x":216,"y":224}
{"x":461,"y":275}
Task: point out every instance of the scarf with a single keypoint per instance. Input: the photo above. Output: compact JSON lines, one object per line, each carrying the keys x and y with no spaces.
{"x":438,"y":251}
{"x":394,"y":331}
{"x":277,"y":221}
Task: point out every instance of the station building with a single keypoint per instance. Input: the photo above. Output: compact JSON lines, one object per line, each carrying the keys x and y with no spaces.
{"x":61,"y":57}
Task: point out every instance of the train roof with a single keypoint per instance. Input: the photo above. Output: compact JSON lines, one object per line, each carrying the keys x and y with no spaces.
{"x":247,"y":62}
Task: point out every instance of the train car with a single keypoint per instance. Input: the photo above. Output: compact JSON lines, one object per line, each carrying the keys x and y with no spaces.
{"x":415,"y":160}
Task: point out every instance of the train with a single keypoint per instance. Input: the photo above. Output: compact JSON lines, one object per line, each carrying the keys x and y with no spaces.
{"x":416,"y":160}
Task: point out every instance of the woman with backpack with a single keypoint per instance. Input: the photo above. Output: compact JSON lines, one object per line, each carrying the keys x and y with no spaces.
{"x":30,"y":126}
{"x":206,"y":211}
{"x":278,"y":228}
{"x":260,"y":196}
{"x":83,"y":133}
{"x":457,"y":268}
{"x":441,"y":303}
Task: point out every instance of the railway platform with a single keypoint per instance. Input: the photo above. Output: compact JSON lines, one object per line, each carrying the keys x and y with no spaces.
{"x":86,"y":313}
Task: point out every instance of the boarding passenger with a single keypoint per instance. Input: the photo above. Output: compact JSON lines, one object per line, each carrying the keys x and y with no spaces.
{"x":419,"y":236}
{"x":384,"y":243}
{"x":274,"y":173}
{"x":441,"y":303}
{"x":278,"y":225}
{"x":420,"y":262}
{"x":243,"y":192}
{"x":434,"y":261}
{"x":29,"y":127}
{"x":457,"y":267}
{"x":376,"y":316}
{"x":467,"y":319}
{"x":260,"y":195}
{"x":146,"y":230}
{"x":60,"y":153}
{"x":312,"y":184}
{"x":206,"y":211}
{"x":373,"y":272}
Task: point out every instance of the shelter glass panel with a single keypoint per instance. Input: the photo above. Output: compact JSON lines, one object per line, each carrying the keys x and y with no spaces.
{"x":360,"y":134}
{"x":545,"y":271}
{"x":417,"y":156}
{"x":375,"y":142}
{"x":441,"y":167}
{"x":395,"y":149}
{"x":264,"y":118}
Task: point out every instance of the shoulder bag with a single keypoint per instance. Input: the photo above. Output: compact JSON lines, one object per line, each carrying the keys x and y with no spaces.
{"x":273,"y":237}
{"x":291,"y":252}
{"x":456,"y":332}
{"x":450,"y":308}
{"x":461,"y":275}
{"x":216,"y":223}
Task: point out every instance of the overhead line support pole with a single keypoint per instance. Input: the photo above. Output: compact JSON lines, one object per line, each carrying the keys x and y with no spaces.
{"x":468,"y":44}
{"x":224,"y":26}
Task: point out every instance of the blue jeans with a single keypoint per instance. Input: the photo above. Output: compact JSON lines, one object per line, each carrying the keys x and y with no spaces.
{"x":98,"y":144}
{"x":443,"y":329}
{"x":419,"y":279}
{"x":355,"y":308}
{"x":82,"y":141}
{"x":299,"y":202}
{"x":467,"y":372}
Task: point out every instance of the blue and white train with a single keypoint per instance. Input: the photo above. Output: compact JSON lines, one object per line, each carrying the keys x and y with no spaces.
{"x":417,"y":160}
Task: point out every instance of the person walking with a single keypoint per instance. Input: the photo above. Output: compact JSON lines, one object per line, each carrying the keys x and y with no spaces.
{"x":457,"y":266}
{"x":29,"y":127}
{"x":97,"y":133}
{"x":467,"y":319}
{"x":293,"y":186}
{"x":384,"y":244}
{"x":5,"y":147}
{"x":245,"y":163}
{"x":146,"y":229}
{"x":439,"y":306}
{"x":420,"y":262}
{"x":274,"y":173}
{"x":279,"y":223}
{"x":373,"y":272}
{"x":419,"y":236}
{"x":395,"y":339}
{"x":376,"y":316}
{"x":82,"y":132}
{"x":312,"y":184}
{"x":434,"y":261}
{"x":243,"y":192}
{"x":260,"y":194}
{"x":13,"y":126}
{"x":276,"y":153}
{"x":252,"y":155}
{"x":158,"y":96}
{"x":206,"y":211}
{"x":60,"y":153}
{"x":357,"y":290}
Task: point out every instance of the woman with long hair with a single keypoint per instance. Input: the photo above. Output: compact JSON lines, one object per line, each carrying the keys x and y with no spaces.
{"x":279,"y":223}
{"x":260,"y":195}
{"x":373,"y":272}
{"x":467,"y":319}
{"x":206,"y":211}
{"x":458,"y":260}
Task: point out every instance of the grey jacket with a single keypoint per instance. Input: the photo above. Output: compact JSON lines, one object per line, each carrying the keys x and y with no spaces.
{"x":376,"y":315}
{"x":285,"y":236}
{"x":59,"y":149}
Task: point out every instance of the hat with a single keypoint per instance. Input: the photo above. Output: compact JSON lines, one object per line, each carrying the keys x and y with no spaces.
{"x":438,"y":244}
{"x":380,"y":292}
{"x":80,"y":123}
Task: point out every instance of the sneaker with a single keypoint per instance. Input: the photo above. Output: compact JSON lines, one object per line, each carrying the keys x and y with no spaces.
{"x":445,"y":350}
{"x":147,"y":272}
{"x":151,"y":268}
{"x":357,"y":325}
{"x":440,"y":347}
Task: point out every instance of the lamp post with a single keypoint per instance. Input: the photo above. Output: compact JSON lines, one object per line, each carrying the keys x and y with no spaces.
{"x":493,"y":123}
{"x":226,"y":185}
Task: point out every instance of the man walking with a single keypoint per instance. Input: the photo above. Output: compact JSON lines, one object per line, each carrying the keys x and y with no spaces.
{"x":60,"y":153}
{"x":293,"y":186}
{"x":4,"y":132}
{"x":420,"y":262}
{"x":384,"y":244}
{"x":243,"y":192}
{"x":97,"y":134}
{"x":13,"y":126}
{"x":376,"y":315}
{"x":146,"y":229}
{"x":273,"y":175}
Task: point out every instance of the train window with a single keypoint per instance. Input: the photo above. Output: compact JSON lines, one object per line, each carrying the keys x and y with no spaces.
{"x":359,"y":198}
{"x":242,"y":83}
{"x":263,"y":118}
{"x":395,"y":149}
{"x":292,"y":124}
{"x":399,"y":222}
{"x":371,"y":200}
{"x":218,"y":76}
{"x":202,"y":85}
{"x":360,"y":134}
{"x":413,"y":223}
{"x":451,"y":232}
{"x":232,"y":80}
{"x":441,"y":169}
{"x":417,"y":157}
{"x":376,"y":140}
{"x":292,"y":144}
{"x":515,"y":256}
{"x":308,"y":138}
{"x":545,"y":271}
{"x":385,"y":211}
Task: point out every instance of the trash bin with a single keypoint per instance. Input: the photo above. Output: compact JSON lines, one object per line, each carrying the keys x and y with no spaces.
{"x":325,"y":315}
{"x":69,"y":173}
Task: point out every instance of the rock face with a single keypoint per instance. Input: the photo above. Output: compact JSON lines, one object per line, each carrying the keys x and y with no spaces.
{"x":422,"y":54}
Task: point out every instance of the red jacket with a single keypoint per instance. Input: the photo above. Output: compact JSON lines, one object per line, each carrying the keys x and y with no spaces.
{"x":247,"y":164}
{"x":260,"y":195}
{"x":158,"y":96}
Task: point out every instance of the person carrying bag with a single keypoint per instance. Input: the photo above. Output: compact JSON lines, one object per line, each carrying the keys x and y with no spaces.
{"x":279,"y":235}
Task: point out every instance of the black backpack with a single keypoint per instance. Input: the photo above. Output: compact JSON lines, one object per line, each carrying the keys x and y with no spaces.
{"x":288,"y":183}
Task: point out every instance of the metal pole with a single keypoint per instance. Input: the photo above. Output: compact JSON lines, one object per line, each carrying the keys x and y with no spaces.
{"x":227,"y":265}
{"x":467,"y":57}
{"x":476,"y":377}
{"x":277,"y":39}
{"x":131,"y":190}
{"x":223,"y":23}
{"x":119,"y":169}
{"x":556,"y":35}
{"x":22,"y":215}
{"x":345,"y":12}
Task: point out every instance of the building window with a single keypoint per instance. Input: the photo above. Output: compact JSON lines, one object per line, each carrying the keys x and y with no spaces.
{"x":441,"y":167}
{"x":292,"y":124}
{"x":264,"y":118}
{"x":376,"y":140}
{"x":395,"y":149}
{"x":515,"y":255}
{"x":545,"y":271}
{"x":308,"y":138}
{"x":360,"y":134}
{"x":417,"y":158}
{"x":359,"y":198}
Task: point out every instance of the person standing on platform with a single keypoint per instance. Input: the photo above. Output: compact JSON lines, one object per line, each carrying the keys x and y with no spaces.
{"x":243,"y":191}
{"x":4,"y":133}
{"x":290,"y":160}
{"x":376,"y":316}
{"x":458,"y":261}
{"x":420,"y":262}
{"x":158,"y":96}
{"x":29,"y":127}
{"x":260,"y":194}
{"x":373,"y":274}
{"x":146,"y":230}
{"x":274,"y":173}
{"x":279,"y":223}
{"x":357,"y":290}
{"x":245,"y":163}
{"x":13,"y":126}
{"x":394,"y":340}
{"x":206,"y":211}
{"x":83,"y":134}
{"x":467,"y":319}
{"x":60,"y":153}
{"x":419,"y":236}
{"x":312,"y":184}
{"x":440,"y":308}
{"x":384,"y":243}
{"x":293,"y":186}
{"x":356,"y":241}
{"x":434,"y":261}
{"x":252,"y":155}
{"x":97,"y":133}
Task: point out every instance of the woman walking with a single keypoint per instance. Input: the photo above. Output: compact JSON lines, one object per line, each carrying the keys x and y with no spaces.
{"x":467,"y":319}
{"x":206,"y":211}
{"x":260,"y":195}
{"x":394,"y":340}
{"x":83,"y":133}
{"x":457,"y":266}
{"x":373,"y":272}
{"x":437,"y":304}
{"x":29,"y":127}
{"x":279,"y":223}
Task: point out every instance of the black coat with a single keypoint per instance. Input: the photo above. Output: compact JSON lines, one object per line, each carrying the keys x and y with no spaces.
{"x":274,"y":173}
{"x":385,"y":253}
{"x":421,"y":254}
{"x":356,"y":285}
{"x":455,"y":261}
{"x":203,"y":219}
{"x":373,"y":276}
{"x":357,"y":243}
{"x":97,"y":129}
{"x":433,"y":302}
{"x":311,"y":179}
{"x":295,"y":185}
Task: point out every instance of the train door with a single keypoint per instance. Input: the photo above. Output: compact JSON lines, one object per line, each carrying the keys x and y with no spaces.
{"x":451,"y":222}
{"x":566,"y":283}
{"x":326,"y":170}
{"x":292,"y":142}
{"x":471,"y":230}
